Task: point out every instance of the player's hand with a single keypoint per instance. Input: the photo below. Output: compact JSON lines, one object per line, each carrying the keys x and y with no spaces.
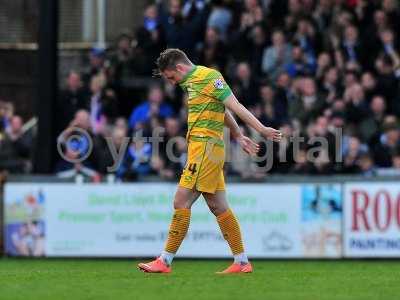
{"x":248,"y":145}
{"x":272,"y":134}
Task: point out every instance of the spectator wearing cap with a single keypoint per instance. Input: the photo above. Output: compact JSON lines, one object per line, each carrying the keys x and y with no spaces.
{"x":153,"y":107}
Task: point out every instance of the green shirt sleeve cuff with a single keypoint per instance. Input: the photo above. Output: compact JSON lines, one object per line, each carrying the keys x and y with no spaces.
{"x":225,"y":95}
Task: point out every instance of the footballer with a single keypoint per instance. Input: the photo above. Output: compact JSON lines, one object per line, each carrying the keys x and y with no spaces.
{"x":210,"y":101}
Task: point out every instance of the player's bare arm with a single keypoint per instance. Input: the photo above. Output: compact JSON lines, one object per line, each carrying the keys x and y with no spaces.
{"x":242,"y":112}
{"x":248,"y":145}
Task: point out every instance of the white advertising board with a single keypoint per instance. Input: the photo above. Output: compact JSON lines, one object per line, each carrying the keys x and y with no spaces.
{"x":277,"y":220}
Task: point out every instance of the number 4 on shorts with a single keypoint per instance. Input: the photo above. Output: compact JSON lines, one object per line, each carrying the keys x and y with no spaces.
{"x":192,"y":168}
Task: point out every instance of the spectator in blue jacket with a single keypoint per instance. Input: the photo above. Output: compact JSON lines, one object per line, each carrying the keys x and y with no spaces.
{"x":153,"y":107}
{"x":299,"y":66}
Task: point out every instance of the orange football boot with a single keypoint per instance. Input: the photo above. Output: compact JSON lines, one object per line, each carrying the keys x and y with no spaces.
{"x":237,"y":268}
{"x":155,"y":266}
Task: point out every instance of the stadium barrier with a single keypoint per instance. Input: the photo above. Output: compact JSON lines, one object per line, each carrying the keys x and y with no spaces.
{"x":325,"y":217}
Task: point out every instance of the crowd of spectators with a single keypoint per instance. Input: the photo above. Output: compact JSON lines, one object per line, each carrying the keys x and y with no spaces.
{"x":313,"y":68}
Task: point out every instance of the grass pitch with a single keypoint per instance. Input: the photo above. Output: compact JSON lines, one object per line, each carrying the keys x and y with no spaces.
{"x":72,"y":279}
